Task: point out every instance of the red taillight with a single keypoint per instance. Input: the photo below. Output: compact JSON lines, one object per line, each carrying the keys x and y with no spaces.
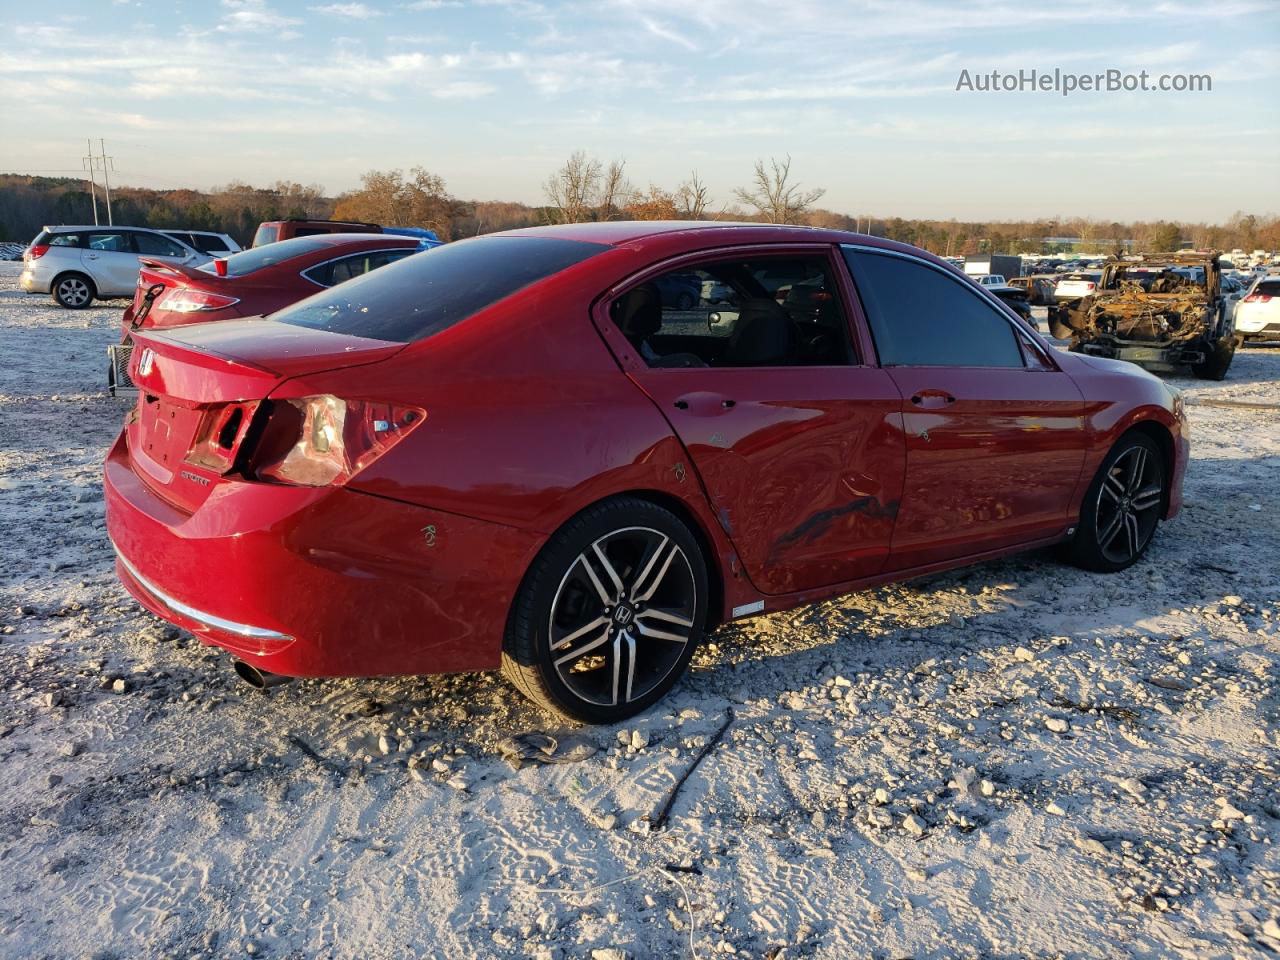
{"x":188,"y":300}
{"x":1090,"y":286}
{"x":1258,"y":298}
{"x":316,"y":441}
{"x":36,"y":251}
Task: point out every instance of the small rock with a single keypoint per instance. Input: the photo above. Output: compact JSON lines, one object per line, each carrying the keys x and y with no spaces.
{"x":251,"y":948}
{"x":1231,"y":600}
{"x":1057,"y":724}
{"x":1056,"y":808}
{"x":1133,"y":786}
{"x":72,"y":748}
{"x":1023,"y":654}
{"x":987,"y":788}
{"x":1227,"y":810}
{"x":384,"y":745}
{"x":441,"y":765}
{"x":918,"y":875}
{"x":609,"y":953}
{"x":882,"y":796}
{"x":120,"y":685}
{"x":639,"y":739}
{"x":880,"y":818}
{"x":459,"y":783}
{"x":54,"y":779}
{"x":914,"y":825}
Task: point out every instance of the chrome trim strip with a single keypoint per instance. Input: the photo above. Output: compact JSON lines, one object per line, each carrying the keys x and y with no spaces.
{"x":747,"y":609}
{"x":177,"y":606}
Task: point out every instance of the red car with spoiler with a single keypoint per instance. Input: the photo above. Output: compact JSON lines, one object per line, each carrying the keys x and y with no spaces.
{"x":514,"y":453}
{"x":247,"y":284}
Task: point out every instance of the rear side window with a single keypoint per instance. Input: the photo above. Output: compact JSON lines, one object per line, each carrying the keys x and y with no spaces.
{"x":209,"y":243}
{"x":152,"y":244}
{"x":249,"y":261}
{"x":267,"y":233}
{"x":348,"y":268}
{"x":422,"y":295}
{"x":922,"y":317}
{"x":59,"y":239}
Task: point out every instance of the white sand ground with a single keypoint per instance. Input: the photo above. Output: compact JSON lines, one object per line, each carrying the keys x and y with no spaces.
{"x":191,"y":816}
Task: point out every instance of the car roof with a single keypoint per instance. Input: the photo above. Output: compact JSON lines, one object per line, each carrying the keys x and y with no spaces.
{"x":100,"y":227}
{"x":621,"y":232}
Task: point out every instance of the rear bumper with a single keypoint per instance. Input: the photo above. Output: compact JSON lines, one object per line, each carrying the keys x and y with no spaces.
{"x":32,"y":282}
{"x":319,"y":581}
{"x":1170,"y":355}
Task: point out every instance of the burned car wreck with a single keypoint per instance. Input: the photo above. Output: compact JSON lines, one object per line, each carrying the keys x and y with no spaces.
{"x":1161,"y":312}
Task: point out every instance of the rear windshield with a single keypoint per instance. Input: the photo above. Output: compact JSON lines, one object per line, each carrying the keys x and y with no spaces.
{"x":422,"y":295}
{"x":267,"y":233}
{"x":248,"y":261}
{"x":1270,"y":287}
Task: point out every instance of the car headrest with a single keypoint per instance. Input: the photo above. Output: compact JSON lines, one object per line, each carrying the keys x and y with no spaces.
{"x":638,"y":313}
{"x":762,"y":334}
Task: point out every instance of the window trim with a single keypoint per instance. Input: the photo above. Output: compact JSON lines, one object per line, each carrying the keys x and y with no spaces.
{"x":630,"y":360}
{"x":1020,"y":326}
{"x":346,"y":256}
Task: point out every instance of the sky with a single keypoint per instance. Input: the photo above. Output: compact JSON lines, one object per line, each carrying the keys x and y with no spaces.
{"x":493,"y":95}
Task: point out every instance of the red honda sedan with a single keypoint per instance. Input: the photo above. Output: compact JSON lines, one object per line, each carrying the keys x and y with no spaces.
{"x":247,"y":284}
{"x":514,"y":452}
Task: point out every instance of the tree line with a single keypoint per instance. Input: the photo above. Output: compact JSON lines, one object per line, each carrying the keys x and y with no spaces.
{"x":586,"y":188}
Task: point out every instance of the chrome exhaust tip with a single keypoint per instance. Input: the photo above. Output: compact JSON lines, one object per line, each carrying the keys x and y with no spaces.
{"x":259,"y":679}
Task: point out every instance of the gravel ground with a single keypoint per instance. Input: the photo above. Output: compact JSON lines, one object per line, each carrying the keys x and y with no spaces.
{"x":1017,"y":759}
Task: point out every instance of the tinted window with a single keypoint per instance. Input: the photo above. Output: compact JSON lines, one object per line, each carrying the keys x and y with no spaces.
{"x":922,"y":317}
{"x":761,"y":312}
{"x":249,"y":261}
{"x":348,"y":268}
{"x":422,"y":295}
{"x":209,"y":243}
{"x":157,"y":246}
{"x":110,"y":242}
{"x":267,"y":233}
{"x":1270,"y":288}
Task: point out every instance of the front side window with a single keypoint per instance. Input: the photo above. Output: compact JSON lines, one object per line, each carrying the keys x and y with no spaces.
{"x":152,"y":244}
{"x":744,"y":312}
{"x":920,"y":316}
{"x":110,"y":243}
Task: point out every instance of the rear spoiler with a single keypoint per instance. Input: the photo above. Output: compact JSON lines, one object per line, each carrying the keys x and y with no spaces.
{"x":178,"y":269}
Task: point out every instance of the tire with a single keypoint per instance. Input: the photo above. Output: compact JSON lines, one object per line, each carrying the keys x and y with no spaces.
{"x":74,"y":291}
{"x":1122,"y":506}
{"x":625,"y":648}
{"x":1218,"y":362}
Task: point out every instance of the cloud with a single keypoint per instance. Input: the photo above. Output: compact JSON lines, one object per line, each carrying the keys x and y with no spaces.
{"x":353,"y":11}
{"x":247,"y":16}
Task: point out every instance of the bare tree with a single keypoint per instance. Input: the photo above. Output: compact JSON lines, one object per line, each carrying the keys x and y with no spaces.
{"x":693,"y":197}
{"x":615,"y":191}
{"x":573,"y":188}
{"x":774,"y":197}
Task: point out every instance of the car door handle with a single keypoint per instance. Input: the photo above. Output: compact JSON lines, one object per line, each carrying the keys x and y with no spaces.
{"x":933,"y":398}
{"x":91,"y":256}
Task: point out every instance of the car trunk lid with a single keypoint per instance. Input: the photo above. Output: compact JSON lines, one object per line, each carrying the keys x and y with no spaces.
{"x":201,"y":387}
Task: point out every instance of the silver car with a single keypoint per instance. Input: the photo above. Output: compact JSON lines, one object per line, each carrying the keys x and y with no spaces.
{"x":80,"y":264}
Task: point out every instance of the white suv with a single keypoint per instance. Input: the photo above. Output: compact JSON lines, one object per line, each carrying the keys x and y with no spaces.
{"x":79,"y":264}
